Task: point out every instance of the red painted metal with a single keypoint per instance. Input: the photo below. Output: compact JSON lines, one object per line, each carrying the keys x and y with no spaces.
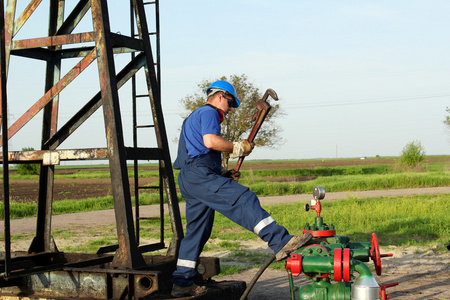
{"x":317,"y":207}
{"x":321,"y":233}
{"x":337,"y":267}
{"x":375,"y":254}
{"x":346,"y":264}
{"x":383,"y":294}
{"x":294,"y":263}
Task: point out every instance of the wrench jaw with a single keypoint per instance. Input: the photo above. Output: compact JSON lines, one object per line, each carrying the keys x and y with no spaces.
{"x":271,"y":93}
{"x":262,"y":105}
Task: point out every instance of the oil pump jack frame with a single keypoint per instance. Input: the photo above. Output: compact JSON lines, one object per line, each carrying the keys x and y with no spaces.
{"x":114,"y":272}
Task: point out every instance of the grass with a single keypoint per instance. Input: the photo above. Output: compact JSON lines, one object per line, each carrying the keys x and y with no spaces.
{"x":349,"y":178}
{"x":404,"y":221}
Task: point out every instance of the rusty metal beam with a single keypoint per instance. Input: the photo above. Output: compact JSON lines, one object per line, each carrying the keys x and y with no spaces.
{"x":4,"y":126}
{"x":25,"y":15}
{"x":56,"y":89}
{"x":87,"y":110}
{"x":53,"y":157}
{"x":43,"y":241}
{"x":128,"y":255}
{"x":45,"y":54}
{"x":9,"y":29}
{"x":121,"y":40}
{"x":62,"y":273}
{"x":87,"y":284}
{"x":117,"y":41}
{"x":74,"y":17}
{"x":127,"y":264}
{"x":35,"y":53}
{"x":56,"y":40}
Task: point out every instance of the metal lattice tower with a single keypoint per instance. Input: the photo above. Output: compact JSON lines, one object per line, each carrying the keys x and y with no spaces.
{"x":101,"y":46}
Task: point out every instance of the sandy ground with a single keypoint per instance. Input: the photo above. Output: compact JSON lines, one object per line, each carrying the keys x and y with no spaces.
{"x":421,"y":273}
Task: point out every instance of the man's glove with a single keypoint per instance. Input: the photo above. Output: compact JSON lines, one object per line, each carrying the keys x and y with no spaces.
{"x":242,"y":148}
{"x":233,"y":174}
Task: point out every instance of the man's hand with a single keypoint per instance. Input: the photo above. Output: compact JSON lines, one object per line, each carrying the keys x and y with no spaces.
{"x":242,"y":148}
{"x":233,"y":174}
{"x":248,"y":147}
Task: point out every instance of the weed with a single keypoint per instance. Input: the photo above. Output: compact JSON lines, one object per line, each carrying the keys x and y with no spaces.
{"x":230,"y":270}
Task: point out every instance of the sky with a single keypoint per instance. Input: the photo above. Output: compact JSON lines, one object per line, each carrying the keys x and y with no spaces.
{"x":354,"y":78}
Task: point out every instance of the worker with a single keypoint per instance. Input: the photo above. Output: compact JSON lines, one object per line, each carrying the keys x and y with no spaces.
{"x":206,"y":190}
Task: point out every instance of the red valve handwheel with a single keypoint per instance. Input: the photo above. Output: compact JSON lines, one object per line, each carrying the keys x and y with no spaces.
{"x":375,"y":254}
{"x":321,"y":233}
{"x":346,"y":264}
{"x":337,"y":264}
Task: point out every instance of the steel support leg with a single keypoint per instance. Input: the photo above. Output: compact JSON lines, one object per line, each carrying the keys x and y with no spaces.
{"x":128,"y":254}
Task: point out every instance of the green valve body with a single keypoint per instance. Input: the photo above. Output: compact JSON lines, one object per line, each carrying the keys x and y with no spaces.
{"x":329,"y":257}
{"x":325,"y":290}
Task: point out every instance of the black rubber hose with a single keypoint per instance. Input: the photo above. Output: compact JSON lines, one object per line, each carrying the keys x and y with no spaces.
{"x":256,"y":277}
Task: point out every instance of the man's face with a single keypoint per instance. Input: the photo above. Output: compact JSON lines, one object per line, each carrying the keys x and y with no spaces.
{"x":225,"y":102}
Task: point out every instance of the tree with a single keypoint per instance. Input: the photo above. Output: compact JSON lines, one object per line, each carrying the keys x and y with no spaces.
{"x":447,"y":118}
{"x":238,"y":122}
{"x":28,"y":169}
{"x":413,"y":154}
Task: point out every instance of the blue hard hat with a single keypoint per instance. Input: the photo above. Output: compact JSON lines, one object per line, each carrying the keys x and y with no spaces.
{"x":226,"y":87}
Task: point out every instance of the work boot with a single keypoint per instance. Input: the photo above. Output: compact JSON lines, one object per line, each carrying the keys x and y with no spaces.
{"x":183,"y":291}
{"x":294,"y":243}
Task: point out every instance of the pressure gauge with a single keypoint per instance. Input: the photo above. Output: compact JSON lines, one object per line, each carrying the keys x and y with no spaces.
{"x":319,"y":192}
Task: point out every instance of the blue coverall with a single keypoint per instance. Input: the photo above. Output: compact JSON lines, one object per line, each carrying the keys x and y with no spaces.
{"x":206,"y":191}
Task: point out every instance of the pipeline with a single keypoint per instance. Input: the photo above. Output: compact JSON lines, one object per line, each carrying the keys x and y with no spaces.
{"x":256,"y":277}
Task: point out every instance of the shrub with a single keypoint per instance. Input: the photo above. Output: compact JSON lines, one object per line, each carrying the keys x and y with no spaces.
{"x":28,"y":169}
{"x":412,"y":155}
